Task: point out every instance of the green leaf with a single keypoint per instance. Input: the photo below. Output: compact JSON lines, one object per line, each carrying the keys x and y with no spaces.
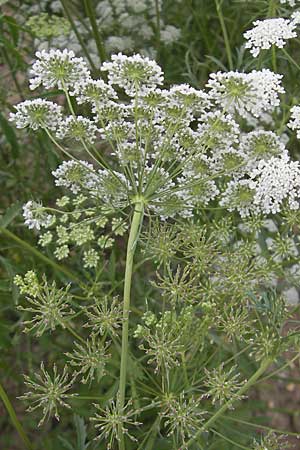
{"x":10,"y":135}
{"x":81,"y":433}
{"x":10,"y":214}
{"x":13,"y":28}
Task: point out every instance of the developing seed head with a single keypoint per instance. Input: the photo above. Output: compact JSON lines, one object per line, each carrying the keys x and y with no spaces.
{"x":182,"y":417}
{"x":48,"y":392}
{"x":108,"y":420}
{"x":222,"y":385}
{"x":104,"y":316}
{"x":89,"y":359}
{"x":272,"y":441}
{"x":49,"y":306}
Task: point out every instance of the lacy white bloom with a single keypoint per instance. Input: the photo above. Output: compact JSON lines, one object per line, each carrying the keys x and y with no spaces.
{"x":75,"y":175}
{"x":133,"y":73}
{"x":246,"y":93}
{"x":170,"y":34}
{"x":217,"y":130}
{"x":183,"y":95}
{"x":258,"y":145}
{"x":290,"y":2}
{"x":294,"y":122}
{"x":36,"y":114}
{"x":277,"y":180}
{"x":93,"y":91}
{"x":239,"y":195}
{"x":78,"y":128}
{"x":58,"y":68}
{"x":266,"y":33}
{"x":36,"y":216}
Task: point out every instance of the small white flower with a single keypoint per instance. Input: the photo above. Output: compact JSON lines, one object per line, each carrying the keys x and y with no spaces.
{"x":251,"y":93}
{"x":169,"y":34}
{"x":277,"y":180}
{"x":290,"y":2}
{"x":62,"y":252}
{"x":133,"y":73}
{"x":294,"y":122}
{"x":239,"y":195}
{"x":57,"y":68}
{"x":78,"y":128}
{"x":266,"y":33}
{"x":75,"y":175}
{"x":258,"y":145}
{"x":90,"y":259}
{"x":36,"y":114}
{"x":96,"y":92}
{"x":36,"y":216}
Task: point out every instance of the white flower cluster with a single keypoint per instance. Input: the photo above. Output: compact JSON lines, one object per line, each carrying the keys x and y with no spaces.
{"x":35,"y":215}
{"x":79,"y":128}
{"x":291,"y":3}
{"x":266,"y":33}
{"x":133,"y":72}
{"x":36,"y":114}
{"x":268,"y":187}
{"x":246,"y":94}
{"x":294,"y":122}
{"x":177,"y":148}
{"x":76,"y":176}
{"x":58,"y":68}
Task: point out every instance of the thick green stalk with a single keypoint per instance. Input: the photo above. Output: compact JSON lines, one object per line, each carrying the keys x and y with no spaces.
{"x":90,"y":11}
{"x":10,"y":409}
{"x":74,"y":28}
{"x":131,"y":246}
{"x":252,"y":380}
{"x":225,"y":34}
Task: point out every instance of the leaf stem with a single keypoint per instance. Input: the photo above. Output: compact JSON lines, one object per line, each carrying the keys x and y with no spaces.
{"x":131,"y":246}
{"x":10,"y":409}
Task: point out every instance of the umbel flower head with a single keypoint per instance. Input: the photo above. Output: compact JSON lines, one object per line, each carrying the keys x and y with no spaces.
{"x":108,"y":420}
{"x":58,"y":68}
{"x":251,"y":93}
{"x":48,"y":305}
{"x":36,"y":216}
{"x":176,"y":149}
{"x":48,"y":392}
{"x":182,"y":417}
{"x":133,"y":73}
{"x":266,"y":33}
{"x":36,"y":114}
{"x":89,"y":359}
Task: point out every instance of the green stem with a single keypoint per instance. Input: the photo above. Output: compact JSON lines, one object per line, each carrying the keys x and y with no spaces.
{"x":131,"y":246}
{"x":77,"y":34}
{"x":89,"y":8}
{"x":263,"y":367}
{"x":10,"y":409}
{"x":225,"y":34}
